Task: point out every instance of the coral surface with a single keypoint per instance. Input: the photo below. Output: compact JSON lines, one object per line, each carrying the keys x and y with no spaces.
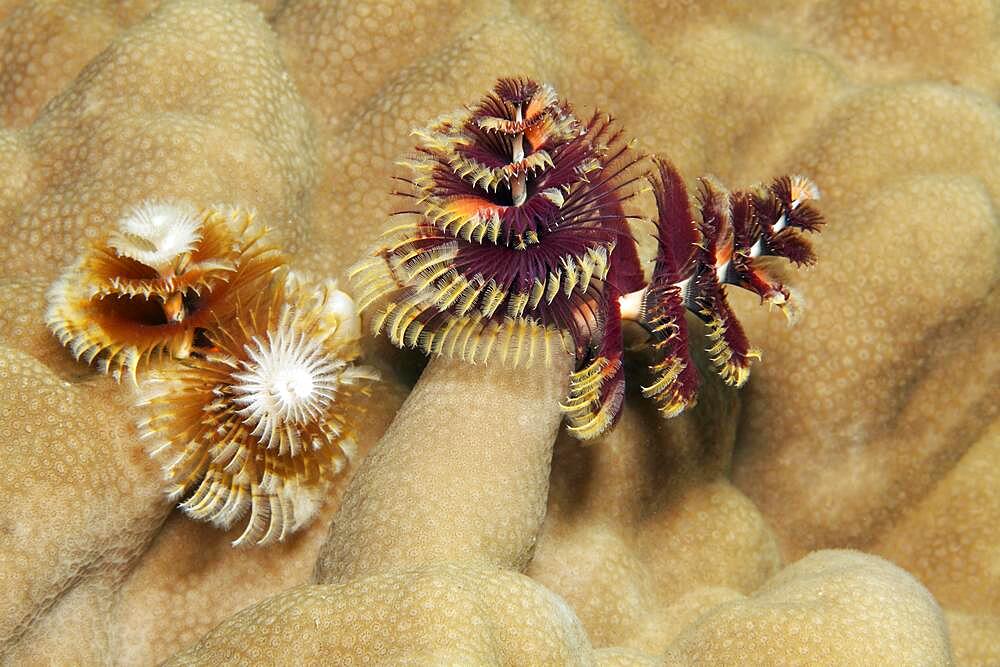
{"x":809,"y":518}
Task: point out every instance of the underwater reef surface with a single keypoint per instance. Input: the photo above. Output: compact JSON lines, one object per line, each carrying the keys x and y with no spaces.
{"x":843,"y":508}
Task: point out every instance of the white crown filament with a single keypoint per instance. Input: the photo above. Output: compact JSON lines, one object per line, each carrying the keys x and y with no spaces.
{"x":157,"y":234}
{"x":289,"y":381}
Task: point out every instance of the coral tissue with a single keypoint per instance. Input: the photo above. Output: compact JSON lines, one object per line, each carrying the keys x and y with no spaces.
{"x":514,"y":241}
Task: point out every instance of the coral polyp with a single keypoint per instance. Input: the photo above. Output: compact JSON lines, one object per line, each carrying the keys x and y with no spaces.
{"x":515,"y":242}
{"x":263,"y":419}
{"x":166,"y":274}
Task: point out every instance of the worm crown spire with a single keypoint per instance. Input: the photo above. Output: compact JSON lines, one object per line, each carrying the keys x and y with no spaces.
{"x":513,"y":241}
{"x":163,"y":276}
{"x":264,"y":421}
{"x":511,"y":217}
{"x":158,"y":235}
{"x":287,"y":381}
{"x":733,"y":240}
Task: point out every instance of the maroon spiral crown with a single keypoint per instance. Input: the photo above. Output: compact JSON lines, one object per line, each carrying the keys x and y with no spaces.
{"x":732,"y":242}
{"x":515,"y":243}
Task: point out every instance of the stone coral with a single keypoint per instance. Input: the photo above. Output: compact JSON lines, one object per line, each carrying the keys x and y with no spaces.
{"x":392,"y":564}
{"x":844,"y":438}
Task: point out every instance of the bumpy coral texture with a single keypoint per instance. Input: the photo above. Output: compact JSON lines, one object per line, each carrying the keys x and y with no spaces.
{"x":871,"y":425}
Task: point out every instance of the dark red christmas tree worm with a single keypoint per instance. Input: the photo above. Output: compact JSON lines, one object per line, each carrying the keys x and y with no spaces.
{"x":735,"y":240}
{"x":514,"y":242}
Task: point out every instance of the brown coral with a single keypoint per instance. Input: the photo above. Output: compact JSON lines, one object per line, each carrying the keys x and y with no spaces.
{"x":844,"y":437}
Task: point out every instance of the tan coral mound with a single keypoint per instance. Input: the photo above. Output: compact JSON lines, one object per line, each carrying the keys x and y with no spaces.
{"x":869,"y":426}
{"x":867,"y":609}
{"x":422,"y":567}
